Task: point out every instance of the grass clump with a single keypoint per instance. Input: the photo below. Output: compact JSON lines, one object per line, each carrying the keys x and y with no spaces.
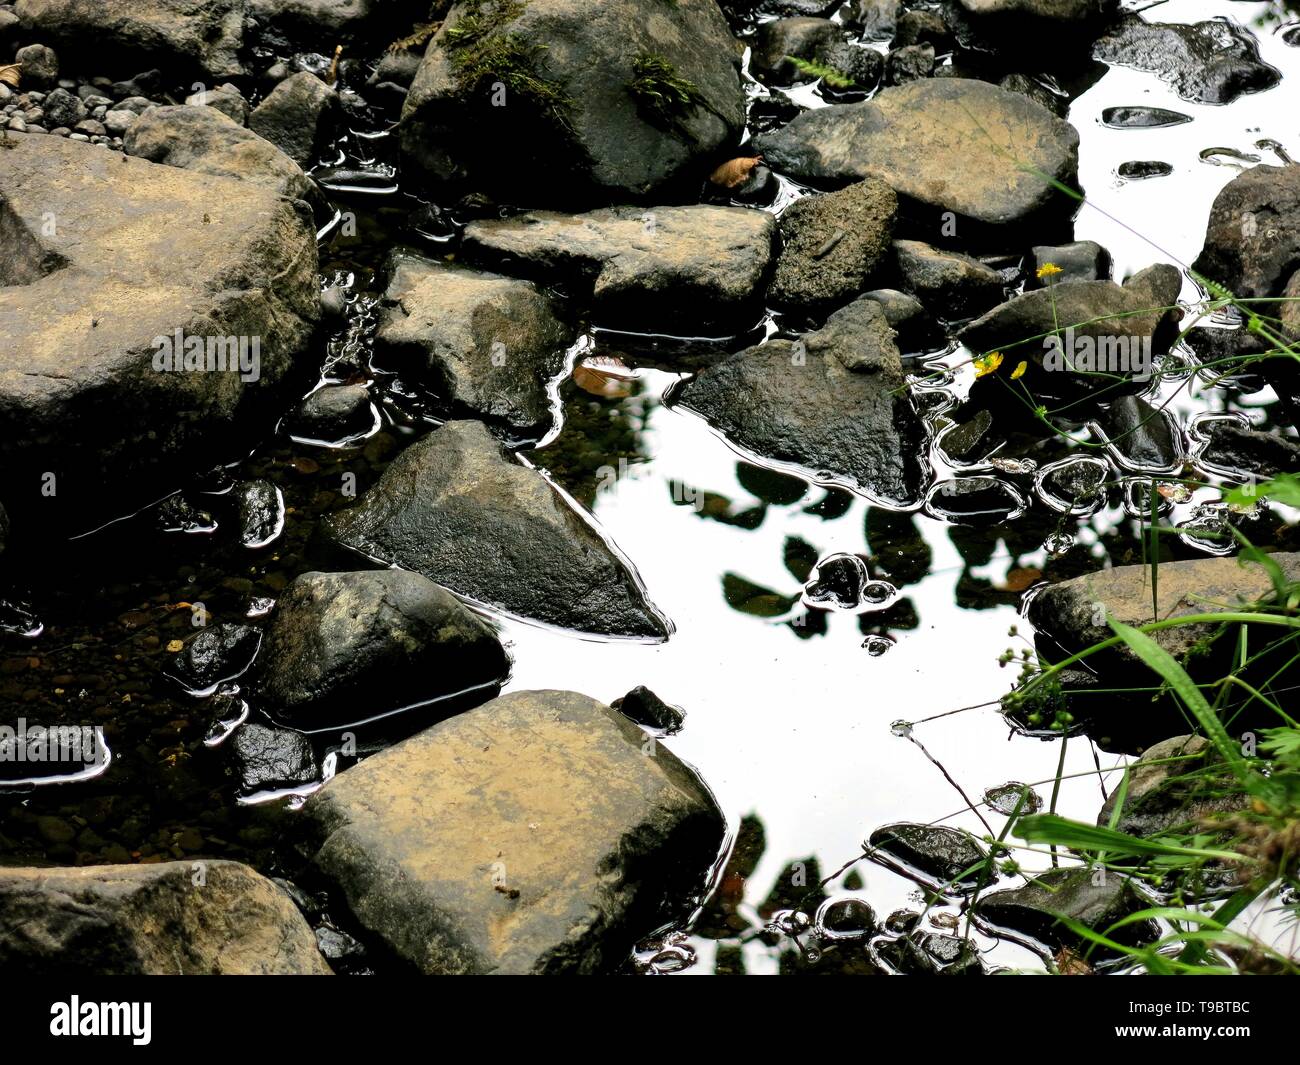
{"x":662,"y":96}
{"x":832,"y":77}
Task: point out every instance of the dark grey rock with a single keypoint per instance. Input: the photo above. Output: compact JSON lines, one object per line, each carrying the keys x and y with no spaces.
{"x":646,"y":708}
{"x":270,"y":759}
{"x":946,"y":858}
{"x":297,"y":116}
{"x":261,"y":513}
{"x":1137,"y":117}
{"x":62,"y":109}
{"x":916,"y":330}
{"x":810,"y":39}
{"x":1250,"y":452}
{"x":1146,"y":438}
{"x":334,"y":413}
{"x":909,"y":63}
{"x":1252,"y":239}
{"x":954,"y":285}
{"x":40,"y":66}
{"x":1083,"y":260}
{"x":217,"y":653}
{"x":1095,"y":899}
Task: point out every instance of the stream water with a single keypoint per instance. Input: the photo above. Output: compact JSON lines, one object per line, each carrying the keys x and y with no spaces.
{"x":791,"y":713}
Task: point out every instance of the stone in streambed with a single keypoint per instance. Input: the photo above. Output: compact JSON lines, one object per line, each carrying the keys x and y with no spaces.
{"x":1252,"y":238}
{"x":945,"y":857}
{"x":260,"y":505}
{"x":1248,"y":452}
{"x":646,"y":708}
{"x":271,"y":759}
{"x":297,"y":116}
{"x":530,"y":835}
{"x":1004,"y":26}
{"x":954,"y":285}
{"x":1144,"y":438}
{"x":1092,"y":900}
{"x":458,"y":508}
{"x":1082,"y":260}
{"x":334,"y":413}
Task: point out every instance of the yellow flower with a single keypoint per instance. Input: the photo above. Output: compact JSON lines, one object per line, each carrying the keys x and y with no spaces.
{"x":1019,"y":371}
{"x":1047,"y":270}
{"x":989,"y":363}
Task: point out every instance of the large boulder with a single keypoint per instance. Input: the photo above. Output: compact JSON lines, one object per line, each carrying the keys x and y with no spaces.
{"x":1011,"y":25}
{"x":297,"y":116}
{"x":345,"y":647}
{"x":834,"y":402}
{"x":309,"y":22}
{"x":172,"y":918}
{"x":186,"y":35}
{"x":571,"y":102}
{"x":667,"y":267}
{"x":458,"y":508}
{"x":535,"y":834}
{"x":490,"y":345}
{"x":137,"y":252}
{"x":948,"y":143}
{"x":1252,"y":238}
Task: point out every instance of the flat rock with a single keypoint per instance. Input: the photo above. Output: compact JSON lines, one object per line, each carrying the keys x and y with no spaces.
{"x":586,"y":121}
{"x":833,"y":402}
{"x":671,"y":267}
{"x":531,"y":835}
{"x":125,"y":920}
{"x":132,"y":259}
{"x":944,"y":856}
{"x":1248,"y":452}
{"x":1081,"y":260}
{"x":490,"y":345}
{"x":458,"y":508}
{"x":952,"y":144}
{"x":345,"y":647}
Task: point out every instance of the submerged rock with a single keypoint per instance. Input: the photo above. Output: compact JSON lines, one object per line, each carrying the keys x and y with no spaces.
{"x":954,"y":285}
{"x":1137,"y":117}
{"x":88,"y":393}
{"x":126,"y":920}
{"x":951,"y":144}
{"x":932,"y":954}
{"x":832,"y":244}
{"x":269,"y":759}
{"x":975,"y":501}
{"x":1210,"y":62}
{"x":834,"y":402}
{"x":457,"y":508}
{"x":573,"y":844}
{"x":1094,"y":899}
{"x":604,"y":99}
{"x":659,"y":267}
{"x":490,"y":344}
{"x":946,"y":858}
{"x":345,"y":647}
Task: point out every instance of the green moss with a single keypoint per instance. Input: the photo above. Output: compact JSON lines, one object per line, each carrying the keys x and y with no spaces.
{"x":661,"y":95}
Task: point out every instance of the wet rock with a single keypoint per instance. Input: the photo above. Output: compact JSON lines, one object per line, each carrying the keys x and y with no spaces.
{"x":920,"y":140}
{"x":225,"y":98}
{"x":334,"y":413}
{"x":966,"y":443}
{"x":944,"y":857}
{"x":1095,"y":899}
{"x":810,"y":39}
{"x":832,"y":245}
{"x":833,"y":402}
{"x":39,"y":66}
{"x":117,"y":920}
{"x":1082,"y":260}
{"x":1140,"y":436}
{"x":922,"y":27}
{"x":261,"y":513}
{"x":1058,"y":104}
{"x":1252,"y":452}
{"x":489,"y":344}
{"x":217,"y":653}
{"x":1142,"y":117}
{"x":932,"y":954}
{"x":873,"y":18}
{"x":667,"y":267}
{"x":1086,"y":337}
{"x":457,"y":508}
{"x":205,"y":140}
{"x":1141,"y":169}
{"x":62,"y":109}
{"x":646,"y":708}
{"x":1210,"y":62}
{"x":956,"y":285}
{"x":573,"y":844}
{"x":297,"y":116}
{"x":309,"y":22}
{"x":909,"y":63}
{"x":84,"y":307}
{"x":838,"y":581}
{"x":975,"y":501}
{"x":1009,"y":26}
{"x":1075,"y":484}
{"x":271,"y":759}
{"x":206,"y":36}
{"x":345,"y":647}
{"x":914,"y":328}
{"x":1013,"y":799}
{"x":1252,"y":239}
{"x":1074,"y":612}
{"x":1169,"y":789}
{"x":591,"y":116}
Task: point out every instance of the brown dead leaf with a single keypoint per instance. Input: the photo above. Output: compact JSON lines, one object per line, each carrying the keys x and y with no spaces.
{"x":11,"y":74}
{"x":1069,"y":963}
{"x":734,"y":171}
{"x":1020,"y":579}
{"x":604,"y":376}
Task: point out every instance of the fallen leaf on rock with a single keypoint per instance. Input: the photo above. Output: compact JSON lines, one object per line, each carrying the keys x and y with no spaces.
{"x":1020,"y":579}
{"x":734,"y":171}
{"x":604,"y":376}
{"x":11,"y":74}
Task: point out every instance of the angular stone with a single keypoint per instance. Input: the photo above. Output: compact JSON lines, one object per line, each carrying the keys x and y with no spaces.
{"x":296,"y":116}
{"x":1252,"y":238}
{"x":1083,"y":260}
{"x":955,"y":285}
{"x":946,"y":857}
{"x":270,"y":759}
{"x":572,"y":845}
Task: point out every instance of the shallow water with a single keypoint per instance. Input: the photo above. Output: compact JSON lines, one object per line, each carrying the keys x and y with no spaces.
{"x":789,"y":712}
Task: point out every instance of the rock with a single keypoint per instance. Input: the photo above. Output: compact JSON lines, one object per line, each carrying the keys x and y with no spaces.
{"x":1083,"y":260}
{"x":141,"y":86}
{"x":1142,"y":117}
{"x":225,"y":98}
{"x":646,"y":708}
{"x":397,"y":68}
{"x":832,"y":245}
{"x":975,"y":501}
{"x":1210,"y":62}
{"x":671,"y":267}
{"x":40,"y":66}
{"x":346,"y":647}
{"x":297,"y":116}
{"x":1252,"y":239}
{"x":261,"y":513}
{"x":833,"y":402}
{"x":187,"y":35}
{"x":84,"y":307}
{"x":1248,"y":452}
{"x":217,"y":653}
{"x":967,"y":443}
{"x":608,"y":99}
{"x":205,"y":140}
{"x":1085,"y":337}
{"x":943,"y":857}
{"x":457,"y":508}
{"x":909,"y":63}
{"x":922,"y":27}
{"x":932,"y":954}
{"x":1056,"y":102}
{"x":271,"y":759}
{"x":873,"y":18}
{"x":490,"y":345}
{"x":955,"y":284}
{"x":928,"y":141}
{"x":915,"y":329}
{"x":120,"y":920}
{"x":62,"y":109}
{"x":810,"y":39}
{"x":1009,"y":26}
{"x":334,"y":413}
{"x":575,"y":845}
{"x":1074,"y":484}
{"x":1142,"y":169}
{"x":1074,"y":612}
{"x":1142,"y":438}
{"x":1094,"y":899}
{"x":8,"y":20}
{"x":308,"y":22}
